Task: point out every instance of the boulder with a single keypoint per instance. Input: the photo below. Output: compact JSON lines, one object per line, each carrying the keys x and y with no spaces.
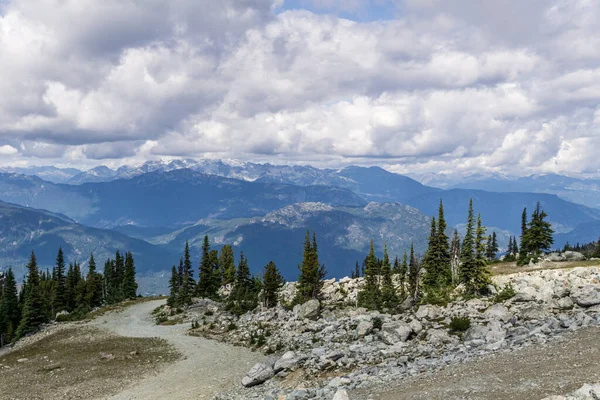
{"x":429,"y":312}
{"x":257,"y":375}
{"x":573,"y":256}
{"x":341,"y":394}
{"x":288,"y":361}
{"x":586,"y":296}
{"x":498,"y":312}
{"x":533,"y":311}
{"x":363,"y":329}
{"x":394,"y":332}
{"x":309,"y":310}
{"x":490,"y":333}
{"x":556,"y":257}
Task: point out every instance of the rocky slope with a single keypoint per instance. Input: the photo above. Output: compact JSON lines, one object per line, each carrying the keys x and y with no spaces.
{"x":322,"y":352}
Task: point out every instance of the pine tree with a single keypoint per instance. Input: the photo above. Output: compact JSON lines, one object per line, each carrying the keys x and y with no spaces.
{"x":414,"y":274}
{"x":227,"y":263}
{"x":272,"y":283}
{"x":430,"y":262}
{"x":310,"y":281}
{"x":130,"y":286}
{"x":174,"y":288}
{"x":468,"y":270}
{"x":443,"y":249}
{"x":59,"y":298}
{"x":524,"y":245}
{"x":93,"y":295}
{"x":389,"y":297}
{"x":369,"y":295}
{"x":455,"y":258}
{"x":119,"y":275}
{"x":244,"y":295}
{"x":537,"y":237}
{"x":402,"y":274}
{"x":187,"y":280}
{"x":33,"y":308}
{"x":481,"y":277}
{"x":9,"y":308}
{"x":515,"y":246}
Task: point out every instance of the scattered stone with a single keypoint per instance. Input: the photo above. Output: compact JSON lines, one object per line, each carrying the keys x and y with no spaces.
{"x":363,"y":329}
{"x":586,"y":296}
{"x":257,"y":375}
{"x":107,"y":356}
{"x":394,"y":332}
{"x":341,"y":394}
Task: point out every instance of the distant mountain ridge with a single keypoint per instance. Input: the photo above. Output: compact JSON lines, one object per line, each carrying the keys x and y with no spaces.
{"x":24,"y":229}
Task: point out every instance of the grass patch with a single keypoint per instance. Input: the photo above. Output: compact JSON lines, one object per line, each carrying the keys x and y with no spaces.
{"x":459,"y":324}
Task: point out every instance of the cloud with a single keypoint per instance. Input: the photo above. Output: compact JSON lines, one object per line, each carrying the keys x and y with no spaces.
{"x":419,"y":86}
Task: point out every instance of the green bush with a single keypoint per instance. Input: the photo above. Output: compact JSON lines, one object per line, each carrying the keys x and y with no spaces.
{"x":377,"y":323}
{"x":437,"y":297}
{"x":231,"y":327}
{"x":459,"y":324}
{"x":160,"y":318}
{"x":506,"y":293}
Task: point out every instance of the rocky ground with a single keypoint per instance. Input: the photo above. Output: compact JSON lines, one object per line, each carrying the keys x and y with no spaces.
{"x":339,"y":349}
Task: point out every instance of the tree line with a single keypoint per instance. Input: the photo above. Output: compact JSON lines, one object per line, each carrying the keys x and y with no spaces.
{"x":447,"y":262}
{"x":45,"y":295}
{"x":246,"y":291}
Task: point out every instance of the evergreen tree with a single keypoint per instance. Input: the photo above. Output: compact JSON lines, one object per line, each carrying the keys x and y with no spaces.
{"x":9,"y":308}
{"x":414,"y":273}
{"x":59,"y":298}
{"x":537,"y":237}
{"x":187,"y":280}
{"x":272,"y":283}
{"x":389,"y":297}
{"x":515,"y":246}
{"x":209,"y":275}
{"x":33,"y":309}
{"x":430,"y":262}
{"x":468,"y":269}
{"x":93,"y":292}
{"x":369,"y":295}
{"x":310,"y":281}
{"x":443,"y":250}
{"x":130,"y":286}
{"x":110,"y":295}
{"x":174,"y":288}
{"x":227,"y":263}
{"x":244,"y":295}
{"x":455,"y":258}
{"x":118,"y":277}
{"x":481,"y":278}
{"x":402,"y":274}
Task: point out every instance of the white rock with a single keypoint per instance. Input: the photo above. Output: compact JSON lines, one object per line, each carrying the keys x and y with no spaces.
{"x":257,"y":375}
{"x":341,"y":394}
{"x":393,"y":332}
{"x":586,"y":296}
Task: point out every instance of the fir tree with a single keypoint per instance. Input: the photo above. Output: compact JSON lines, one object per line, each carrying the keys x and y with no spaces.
{"x":430,"y":262}
{"x":481,"y":277}
{"x":443,"y":250}
{"x":9,"y":308}
{"x":174,"y":288}
{"x":130,"y":286}
{"x":272,"y":283}
{"x":402,"y":272}
{"x":33,"y":308}
{"x":537,"y":237}
{"x":414,"y":273}
{"x":310,"y":281}
{"x":59,"y":298}
{"x":93,"y":295}
{"x":389,"y":297}
{"x":468,"y":269}
{"x":244,"y":295}
{"x":227,"y":263}
{"x":369,"y":295}
{"x":187,"y":280}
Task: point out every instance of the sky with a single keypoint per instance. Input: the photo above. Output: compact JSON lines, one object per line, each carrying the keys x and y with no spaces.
{"x":415,"y":86}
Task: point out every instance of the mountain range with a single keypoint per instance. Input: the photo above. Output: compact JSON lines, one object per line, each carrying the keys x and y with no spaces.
{"x":262,"y":209}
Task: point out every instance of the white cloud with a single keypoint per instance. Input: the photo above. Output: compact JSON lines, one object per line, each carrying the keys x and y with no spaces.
{"x":447,"y":86}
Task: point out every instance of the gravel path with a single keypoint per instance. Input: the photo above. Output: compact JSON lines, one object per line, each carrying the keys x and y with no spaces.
{"x":208,"y":367}
{"x":532,"y":373}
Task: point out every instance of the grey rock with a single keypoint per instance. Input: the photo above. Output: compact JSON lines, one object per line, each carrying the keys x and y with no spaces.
{"x":288,"y":361}
{"x":499,"y":312}
{"x":393,"y":332}
{"x":309,"y":310}
{"x":586,"y":296}
{"x":341,"y":394}
{"x":573,"y":256}
{"x":257,"y":375}
{"x":363,"y":329}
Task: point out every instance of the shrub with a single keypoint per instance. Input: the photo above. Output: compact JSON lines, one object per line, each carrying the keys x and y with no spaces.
{"x":231,"y":327}
{"x":506,"y":293}
{"x":460,"y":324}
{"x":160,"y":318}
{"x":377,"y":323}
{"x":437,"y":297}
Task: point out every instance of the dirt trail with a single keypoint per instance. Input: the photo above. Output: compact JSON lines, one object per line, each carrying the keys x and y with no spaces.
{"x":532,"y":373}
{"x":208,"y":367}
